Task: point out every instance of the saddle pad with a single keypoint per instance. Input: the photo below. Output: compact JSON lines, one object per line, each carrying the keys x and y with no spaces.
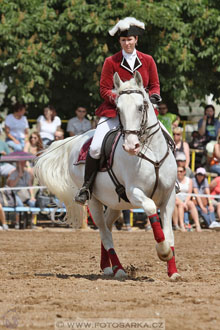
{"x":83,"y":152}
{"x":107,"y":151}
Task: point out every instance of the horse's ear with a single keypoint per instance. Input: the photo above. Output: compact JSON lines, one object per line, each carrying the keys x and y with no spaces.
{"x":116,"y":80}
{"x":138,"y":79}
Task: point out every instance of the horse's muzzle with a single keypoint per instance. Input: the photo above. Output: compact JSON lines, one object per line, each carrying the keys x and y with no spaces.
{"x":131,"y":144}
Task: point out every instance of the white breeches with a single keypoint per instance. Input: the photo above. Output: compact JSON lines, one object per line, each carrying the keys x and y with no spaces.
{"x":105,"y":124}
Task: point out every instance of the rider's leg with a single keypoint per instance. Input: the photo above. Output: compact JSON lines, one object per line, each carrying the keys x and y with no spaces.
{"x":92,"y":160}
{"x":91,"y":169}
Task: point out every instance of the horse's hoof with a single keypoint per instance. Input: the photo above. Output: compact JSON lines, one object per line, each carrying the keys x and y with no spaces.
{"x":120,"y":274}
{"x":175,"y":277}
{"x":164,"y":251}
{"x":108,"y":271}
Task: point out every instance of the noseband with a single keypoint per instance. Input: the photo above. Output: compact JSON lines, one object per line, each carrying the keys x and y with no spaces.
{"x":144,"y":113}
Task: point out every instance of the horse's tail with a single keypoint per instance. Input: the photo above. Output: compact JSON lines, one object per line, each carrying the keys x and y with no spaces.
{"x":52,"y":170}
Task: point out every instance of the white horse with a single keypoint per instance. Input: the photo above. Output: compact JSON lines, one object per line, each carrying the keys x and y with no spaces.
{"x":143,"y":164}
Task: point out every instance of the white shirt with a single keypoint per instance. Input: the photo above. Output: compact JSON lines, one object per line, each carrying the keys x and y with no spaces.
{"x":184,"y":188}
{"x":17,"y":126}
{"x":47,"y":130}
{"x":130,"y":58}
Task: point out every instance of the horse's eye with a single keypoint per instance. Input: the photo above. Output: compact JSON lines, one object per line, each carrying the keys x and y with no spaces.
{"x":140,"y":108}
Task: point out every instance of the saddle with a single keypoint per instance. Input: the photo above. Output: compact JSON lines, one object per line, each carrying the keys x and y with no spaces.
{"x":108,"y":148}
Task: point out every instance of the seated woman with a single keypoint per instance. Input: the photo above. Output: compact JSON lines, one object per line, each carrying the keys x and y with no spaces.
{"x":20,"y":177}
{"x":47,"y":125}
{"x":184,"y":202}
{"x":209,"y":126}
{"x":33,"y":146}
{"x":181,"y":146}
{"x":204,"y":204}
{"x":16,"y":128}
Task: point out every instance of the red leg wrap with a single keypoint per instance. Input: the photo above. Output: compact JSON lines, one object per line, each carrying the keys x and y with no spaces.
{"x":171,"y":265}
{"x":155,"y":224}
{"x":105,"y":262}
{"x":116,"y":265}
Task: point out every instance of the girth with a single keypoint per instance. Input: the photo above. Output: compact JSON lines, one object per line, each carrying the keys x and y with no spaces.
{"x":109,"y":144}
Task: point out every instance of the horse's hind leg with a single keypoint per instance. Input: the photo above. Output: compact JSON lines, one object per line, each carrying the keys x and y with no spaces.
{"x":139,"y":199}
{"x":166,"y":212}
{"x":110,"y":217}
{"x":108,"y":254}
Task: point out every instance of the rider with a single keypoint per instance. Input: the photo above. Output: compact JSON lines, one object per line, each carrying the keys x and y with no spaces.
{"x":125,"y":62}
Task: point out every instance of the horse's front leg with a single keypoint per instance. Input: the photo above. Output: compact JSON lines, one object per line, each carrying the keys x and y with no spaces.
{"x":110,"y":263}
{"x":166,"y":211}
{"x":139,"y":199}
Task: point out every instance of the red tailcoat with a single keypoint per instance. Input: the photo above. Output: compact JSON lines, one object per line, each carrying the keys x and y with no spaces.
{"x":117,"y":63}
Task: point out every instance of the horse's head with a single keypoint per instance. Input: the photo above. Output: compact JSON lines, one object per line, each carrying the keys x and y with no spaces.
{"x":132,"y":110}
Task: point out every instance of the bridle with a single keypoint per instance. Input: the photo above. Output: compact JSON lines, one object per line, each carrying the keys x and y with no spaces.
{"x":142,"y":132}
{"x":143,"y":125}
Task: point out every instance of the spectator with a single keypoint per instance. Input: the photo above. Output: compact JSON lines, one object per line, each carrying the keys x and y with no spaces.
{"x":79,"y":124}
{"x":184,"y":202}
{"x":214,"y":187}
{"x":34,"y":145}
{"x":214,"y":161}
{"x":209,"y":126}
{"x":178,"y":216}
{"x":20,"y":177}
{"x":204,"y":204}
{"x":59,"y":134}
{"x":181,"y":161}
{"x":47,"y":125}
{"x":198,"y":142}
{"x":169,"y":120}
{"x":5,"y":168}
{"x":16,"y":128}
{"x":2,"y":219}
{"x":181,"y":146}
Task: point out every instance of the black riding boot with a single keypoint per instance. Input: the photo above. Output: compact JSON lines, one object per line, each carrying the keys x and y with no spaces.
{"x":91,"y":169}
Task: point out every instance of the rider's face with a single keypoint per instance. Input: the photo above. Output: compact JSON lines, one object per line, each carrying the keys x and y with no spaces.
{"x":128,"y":43}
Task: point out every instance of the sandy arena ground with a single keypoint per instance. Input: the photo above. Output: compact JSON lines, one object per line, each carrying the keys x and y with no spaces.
{"x":52,"y":274}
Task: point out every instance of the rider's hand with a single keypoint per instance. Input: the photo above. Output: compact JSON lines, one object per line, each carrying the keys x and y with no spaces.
{"x":155,"y":98}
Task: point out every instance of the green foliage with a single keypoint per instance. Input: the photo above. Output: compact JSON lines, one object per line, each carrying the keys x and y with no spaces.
{"x":53,"y":51}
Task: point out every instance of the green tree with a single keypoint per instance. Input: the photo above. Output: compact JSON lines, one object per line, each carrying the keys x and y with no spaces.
{"x":53,"y":51}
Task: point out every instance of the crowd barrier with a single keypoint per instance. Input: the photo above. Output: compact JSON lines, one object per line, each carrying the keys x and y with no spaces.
{"x":24,"y":211}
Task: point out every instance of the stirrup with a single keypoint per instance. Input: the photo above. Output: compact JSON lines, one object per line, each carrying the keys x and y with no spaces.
{"x":82,"y":196}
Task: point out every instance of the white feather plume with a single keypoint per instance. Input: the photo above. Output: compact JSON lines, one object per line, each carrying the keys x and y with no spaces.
{"x":125,"y":24}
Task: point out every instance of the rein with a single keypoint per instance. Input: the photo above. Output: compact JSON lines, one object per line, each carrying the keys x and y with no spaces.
{"x":143,"y":131}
